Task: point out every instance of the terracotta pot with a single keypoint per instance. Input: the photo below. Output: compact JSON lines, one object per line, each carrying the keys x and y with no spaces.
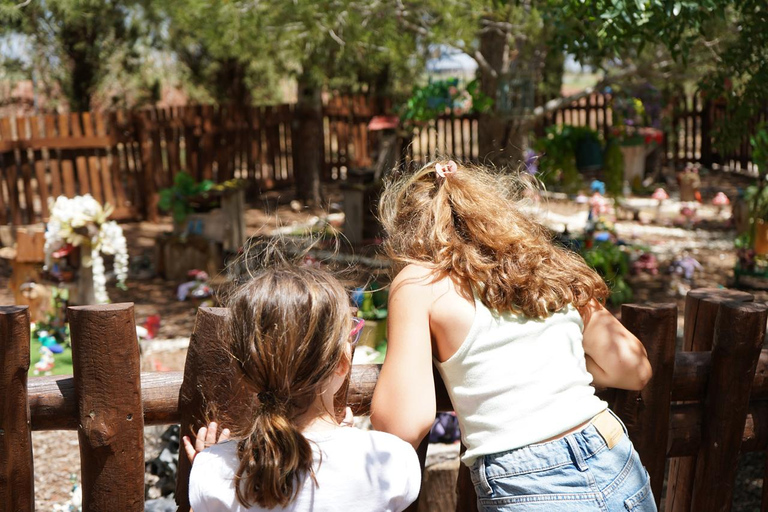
{"x":761,"y":236}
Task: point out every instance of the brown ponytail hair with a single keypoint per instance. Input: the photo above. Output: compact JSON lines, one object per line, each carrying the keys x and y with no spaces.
{"x":288,"y":328}
{"x":469,"y":225}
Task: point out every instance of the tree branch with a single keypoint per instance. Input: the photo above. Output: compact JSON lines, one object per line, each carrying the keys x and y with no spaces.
{"x":561,"y":102}
{"x":480,"y":59}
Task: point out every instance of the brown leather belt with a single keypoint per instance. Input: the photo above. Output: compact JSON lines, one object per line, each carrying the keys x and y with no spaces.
{"x":609,"y":428}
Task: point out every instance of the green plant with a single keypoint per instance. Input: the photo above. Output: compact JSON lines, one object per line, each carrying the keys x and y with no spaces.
{"x":558,"y":162}
{"x":178,"y":199}
{"x":613,"y":168}
{"x":440,"y":97}
{"x":613,"y":265}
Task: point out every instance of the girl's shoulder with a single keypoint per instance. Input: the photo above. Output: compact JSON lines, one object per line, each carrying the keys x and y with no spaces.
{"x":420,"y":279}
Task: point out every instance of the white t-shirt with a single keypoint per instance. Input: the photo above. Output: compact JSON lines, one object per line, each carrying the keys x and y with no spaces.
{"x":361,"y":471}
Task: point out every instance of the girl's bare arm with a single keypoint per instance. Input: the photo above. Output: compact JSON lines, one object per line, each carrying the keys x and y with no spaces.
{"x":615,"y":357}
{"x":404,"y":399}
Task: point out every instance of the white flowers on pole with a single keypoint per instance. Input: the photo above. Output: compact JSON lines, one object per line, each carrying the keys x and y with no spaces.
{"x":82,"y":222}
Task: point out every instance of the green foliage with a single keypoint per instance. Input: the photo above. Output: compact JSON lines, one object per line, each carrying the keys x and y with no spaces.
{"x":178,"y":199}
{"x":613,"y":265}
{"x":75,"y":43}
{"x":613,"y":168}
{"x":558,"y":160}
{"x":759,"y":142}
{"x":440,"y":97}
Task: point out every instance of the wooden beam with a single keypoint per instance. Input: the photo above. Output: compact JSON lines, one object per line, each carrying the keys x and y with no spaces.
{"x":105,"y":360}
{"x":17,"y":479}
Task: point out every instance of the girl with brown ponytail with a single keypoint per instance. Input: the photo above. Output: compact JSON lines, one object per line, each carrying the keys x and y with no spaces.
{"x":516,"y":327}
{"x":291,"y":337}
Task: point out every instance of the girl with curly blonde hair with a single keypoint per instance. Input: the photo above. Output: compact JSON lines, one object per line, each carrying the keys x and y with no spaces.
{"x":516,"y":327}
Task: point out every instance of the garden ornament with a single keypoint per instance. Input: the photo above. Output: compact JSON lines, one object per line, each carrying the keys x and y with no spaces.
{"x":720,"y":200}
{"x":46,"y":362}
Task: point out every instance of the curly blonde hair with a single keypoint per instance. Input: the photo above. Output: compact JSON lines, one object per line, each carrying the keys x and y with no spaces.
{"x":468,"y":225}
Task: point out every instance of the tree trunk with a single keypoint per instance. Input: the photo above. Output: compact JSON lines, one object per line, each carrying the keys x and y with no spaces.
{"x":308,"y":145}
{"x":500,"y":140}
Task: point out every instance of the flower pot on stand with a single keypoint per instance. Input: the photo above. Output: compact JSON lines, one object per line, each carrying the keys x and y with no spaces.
{"x":634,"y":162}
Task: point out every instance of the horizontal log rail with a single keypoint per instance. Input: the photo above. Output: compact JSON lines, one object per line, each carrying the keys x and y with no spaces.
{"x":53,"y":405}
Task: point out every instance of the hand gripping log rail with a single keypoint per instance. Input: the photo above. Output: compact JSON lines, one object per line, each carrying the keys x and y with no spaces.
{"x":703,"y":405}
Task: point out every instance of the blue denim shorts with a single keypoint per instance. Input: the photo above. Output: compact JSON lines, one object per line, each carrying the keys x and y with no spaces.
{"x":575,"y":473}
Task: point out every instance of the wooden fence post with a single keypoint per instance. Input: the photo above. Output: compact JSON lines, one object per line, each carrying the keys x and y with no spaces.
{"x":646,"y":412}
{"x":208,"y":377}
{"x":17,"y":480}
{"x":739,"y":334}
{"x":701,"y":308}
{"x":105,"y":360}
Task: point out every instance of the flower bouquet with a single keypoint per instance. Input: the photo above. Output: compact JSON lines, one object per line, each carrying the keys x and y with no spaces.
{"x":79,"y":227}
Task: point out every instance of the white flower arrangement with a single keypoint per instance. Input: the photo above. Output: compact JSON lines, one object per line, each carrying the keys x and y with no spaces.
{"x":82,"y":222}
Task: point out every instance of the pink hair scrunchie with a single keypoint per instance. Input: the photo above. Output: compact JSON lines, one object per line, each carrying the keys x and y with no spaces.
{"x":448,"y":168}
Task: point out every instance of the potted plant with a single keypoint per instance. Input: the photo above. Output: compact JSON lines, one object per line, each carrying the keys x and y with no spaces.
{"x":565,"y":150}
{"x":182,"y":198}
{"x":756,"y":195}
{"x":636,"y":120}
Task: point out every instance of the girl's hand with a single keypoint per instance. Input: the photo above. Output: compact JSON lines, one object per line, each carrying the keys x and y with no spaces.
{"x":206,"y":437}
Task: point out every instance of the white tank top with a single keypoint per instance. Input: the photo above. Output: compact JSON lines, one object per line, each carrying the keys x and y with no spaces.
{"x":516,"y":381}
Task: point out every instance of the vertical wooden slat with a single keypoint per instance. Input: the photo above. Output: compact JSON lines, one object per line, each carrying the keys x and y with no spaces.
{"x":17,"y":478}
{"x":105,"y":360}
{"x":26,"y":171}
{"x":701,"y":308}
{"x":107,"y":180}
{"x":68,"y":175}
{"x":42,"y":187}
{"x":94,"y":174}
{"x":738,"y":338}
{"x":646,"y":412}
{"x":53,"y":161}
{"x":208,"y":377}
{"x":146,"y":180}
{"x":82,"y":175}
{"x":11,"y":174}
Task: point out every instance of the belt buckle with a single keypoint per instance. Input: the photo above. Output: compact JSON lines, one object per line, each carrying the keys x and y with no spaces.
{"x":609,"y":428}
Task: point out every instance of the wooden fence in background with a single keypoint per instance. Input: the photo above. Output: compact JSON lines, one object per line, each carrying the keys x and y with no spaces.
{"x":700,"y":409}
{"x":125,"y":158}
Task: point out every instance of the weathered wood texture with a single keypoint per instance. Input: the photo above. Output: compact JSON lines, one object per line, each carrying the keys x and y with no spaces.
{"x":701,"y":307}
{"x":105,"y":360}
{"x":207,"y":390}
{"x":738,"y":336}
{"x":646,"y":412}
{"x":16,"y":468}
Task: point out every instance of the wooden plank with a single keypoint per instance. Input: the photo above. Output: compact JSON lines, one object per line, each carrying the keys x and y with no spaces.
{"x":42,"y":188}
{"x":646,"y":412}
{"x":22,"y":132}
{"x":53,"y":160}
{"x":75,"y":127}
{"x":94,"y":174}
{"x":105,"y":359}
{"x":68,"y":176}
{"x":11,"y":174}
{"x":82,"y":175}
{"x":17,"y":477}
{"x":739,"y":334}
{"x":109,"y":183}
{"x":208,"y":374}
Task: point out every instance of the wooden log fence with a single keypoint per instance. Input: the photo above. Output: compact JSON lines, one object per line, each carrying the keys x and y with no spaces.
{"x":710,"y":404}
